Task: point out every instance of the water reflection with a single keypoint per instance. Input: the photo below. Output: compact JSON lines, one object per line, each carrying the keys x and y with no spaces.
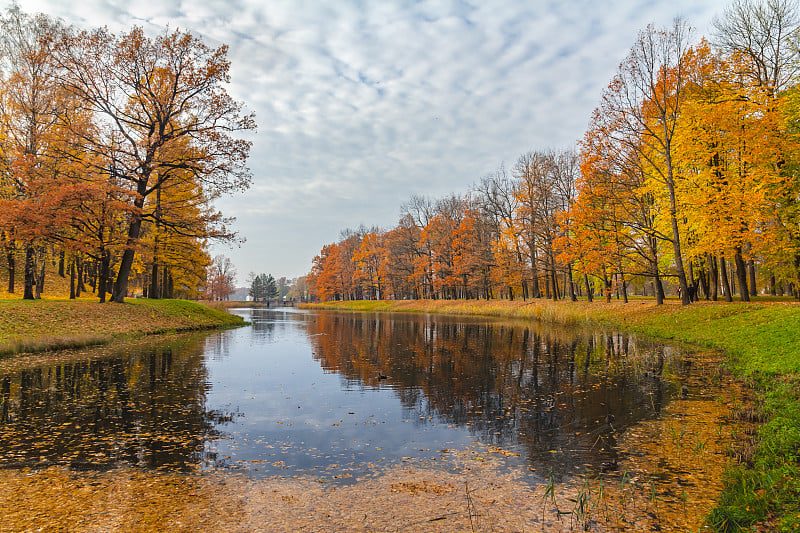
{"x":146,"y":408}
{"x":558,"y":396}
{"x":332,"y":394}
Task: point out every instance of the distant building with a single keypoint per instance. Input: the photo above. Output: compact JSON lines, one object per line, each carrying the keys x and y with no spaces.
{"x":240,"y":294}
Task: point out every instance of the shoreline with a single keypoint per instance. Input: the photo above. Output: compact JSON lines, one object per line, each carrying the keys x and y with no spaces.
{"x":31,"y":326}
{"x":761,"y":344}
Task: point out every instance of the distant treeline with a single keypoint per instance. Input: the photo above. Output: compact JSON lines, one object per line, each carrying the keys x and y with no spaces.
{"x":687,"y":177}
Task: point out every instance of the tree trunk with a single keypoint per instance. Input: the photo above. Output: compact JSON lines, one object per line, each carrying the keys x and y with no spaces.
{"x":72,"y":280}
{"x":624,"y":288}
{"x":741,"y":274}
{"x":676,"y":235}
{"x":535,"y":275}
{"x":702,"y":277}
{"x":607,"y":286}
{"x":79,"y":288}
{"x":30,"y":273}
{"x":126,"y":264}
{"x":11,"y":269}
{"x":154,"y":288}
{"x":103,"y":277}
{"x":658,"y":287}
{"x":572,"y":296}
{"x":712,"y":261}
{"x":61,"y":263}
{"x":40,"y":281}
{"x":751,"y":269}
{"x":726,"y":286}
{"x":588,"y":288}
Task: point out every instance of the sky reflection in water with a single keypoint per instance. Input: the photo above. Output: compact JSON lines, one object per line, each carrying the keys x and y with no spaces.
{"x":332,"y":394}
{"x":321,"y":390}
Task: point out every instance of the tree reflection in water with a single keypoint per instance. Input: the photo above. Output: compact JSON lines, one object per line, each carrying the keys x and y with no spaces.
{"x":301,"y":392}
{"x":557,"y":395}
{"x":145,"y":408}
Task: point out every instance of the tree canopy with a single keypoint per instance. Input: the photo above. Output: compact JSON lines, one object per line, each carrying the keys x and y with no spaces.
{"x":113,"y":148}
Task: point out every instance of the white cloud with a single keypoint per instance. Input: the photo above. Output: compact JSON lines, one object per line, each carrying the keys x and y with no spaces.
{"x":361,"y":104}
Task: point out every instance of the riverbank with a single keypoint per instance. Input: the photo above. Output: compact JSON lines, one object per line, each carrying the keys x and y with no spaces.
{"x":38,"y":325}
{"x":762,"y":345}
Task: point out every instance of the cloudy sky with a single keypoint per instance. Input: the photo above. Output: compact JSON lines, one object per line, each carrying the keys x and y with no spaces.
{"x":361,"y":104}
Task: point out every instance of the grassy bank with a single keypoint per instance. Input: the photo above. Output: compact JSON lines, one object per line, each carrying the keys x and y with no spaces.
{"x":36,"y":325}
{"x":762,"y":343}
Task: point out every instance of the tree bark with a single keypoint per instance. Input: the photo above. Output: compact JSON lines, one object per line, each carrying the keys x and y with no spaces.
{"x":154,"y":287}
{"x":126,"y":264}
{"x":714,"y":281}
{"x":11,"y":270}
{"x":624,"y":288}
{"x":103,"y":277}
{"x":40,"y":281}
{"x":572,"y":296}
{"x":741,"y":274}
{"x":658,"y":285}
{"x":607,"y":286}
{"x":534,"y":275}
{"x":726,"y":285}
{"x":676,"y":235}
{"x":588,"y":288}
{"x":79,"y":287}
{"x":167,"y":278}
{"x":72,"y":280}
{"x":30,"y":273}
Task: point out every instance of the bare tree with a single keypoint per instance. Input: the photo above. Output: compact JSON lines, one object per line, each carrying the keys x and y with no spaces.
{"x":765,"y":32}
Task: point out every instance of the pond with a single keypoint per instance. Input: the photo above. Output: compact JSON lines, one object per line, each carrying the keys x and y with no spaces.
{"x":323,"y":400}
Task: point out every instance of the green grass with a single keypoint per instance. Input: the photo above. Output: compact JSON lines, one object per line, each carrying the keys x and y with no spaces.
{"x":762,"y":344}
{"x":37,"y":325}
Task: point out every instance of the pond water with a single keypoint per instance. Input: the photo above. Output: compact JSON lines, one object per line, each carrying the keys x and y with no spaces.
{"x":336,"y":395}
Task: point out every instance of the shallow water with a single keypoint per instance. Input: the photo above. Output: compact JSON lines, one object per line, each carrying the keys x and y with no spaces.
{"x":278,"y":420}
{"x":336,"y":393}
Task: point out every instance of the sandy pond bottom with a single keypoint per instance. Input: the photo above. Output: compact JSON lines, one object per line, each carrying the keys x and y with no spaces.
{"x":668,"y":479}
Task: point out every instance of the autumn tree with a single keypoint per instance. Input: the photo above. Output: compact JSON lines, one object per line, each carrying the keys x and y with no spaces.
{"x":220,"y":278}
{"x":161,"y":110}
{"x":761,"y":38}
{"x":420,"y":211}
{"x":368,"y":259}
{"x":613,"y":195}
{"x":641,"y":108}
{"x":31,"y":105}
{"x":499,"y":204}
{"x":400,"y":255}
{"x":544,"y":188}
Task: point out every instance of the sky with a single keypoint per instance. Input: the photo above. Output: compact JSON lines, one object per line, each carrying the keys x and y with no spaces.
{"x":362,"y":104}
